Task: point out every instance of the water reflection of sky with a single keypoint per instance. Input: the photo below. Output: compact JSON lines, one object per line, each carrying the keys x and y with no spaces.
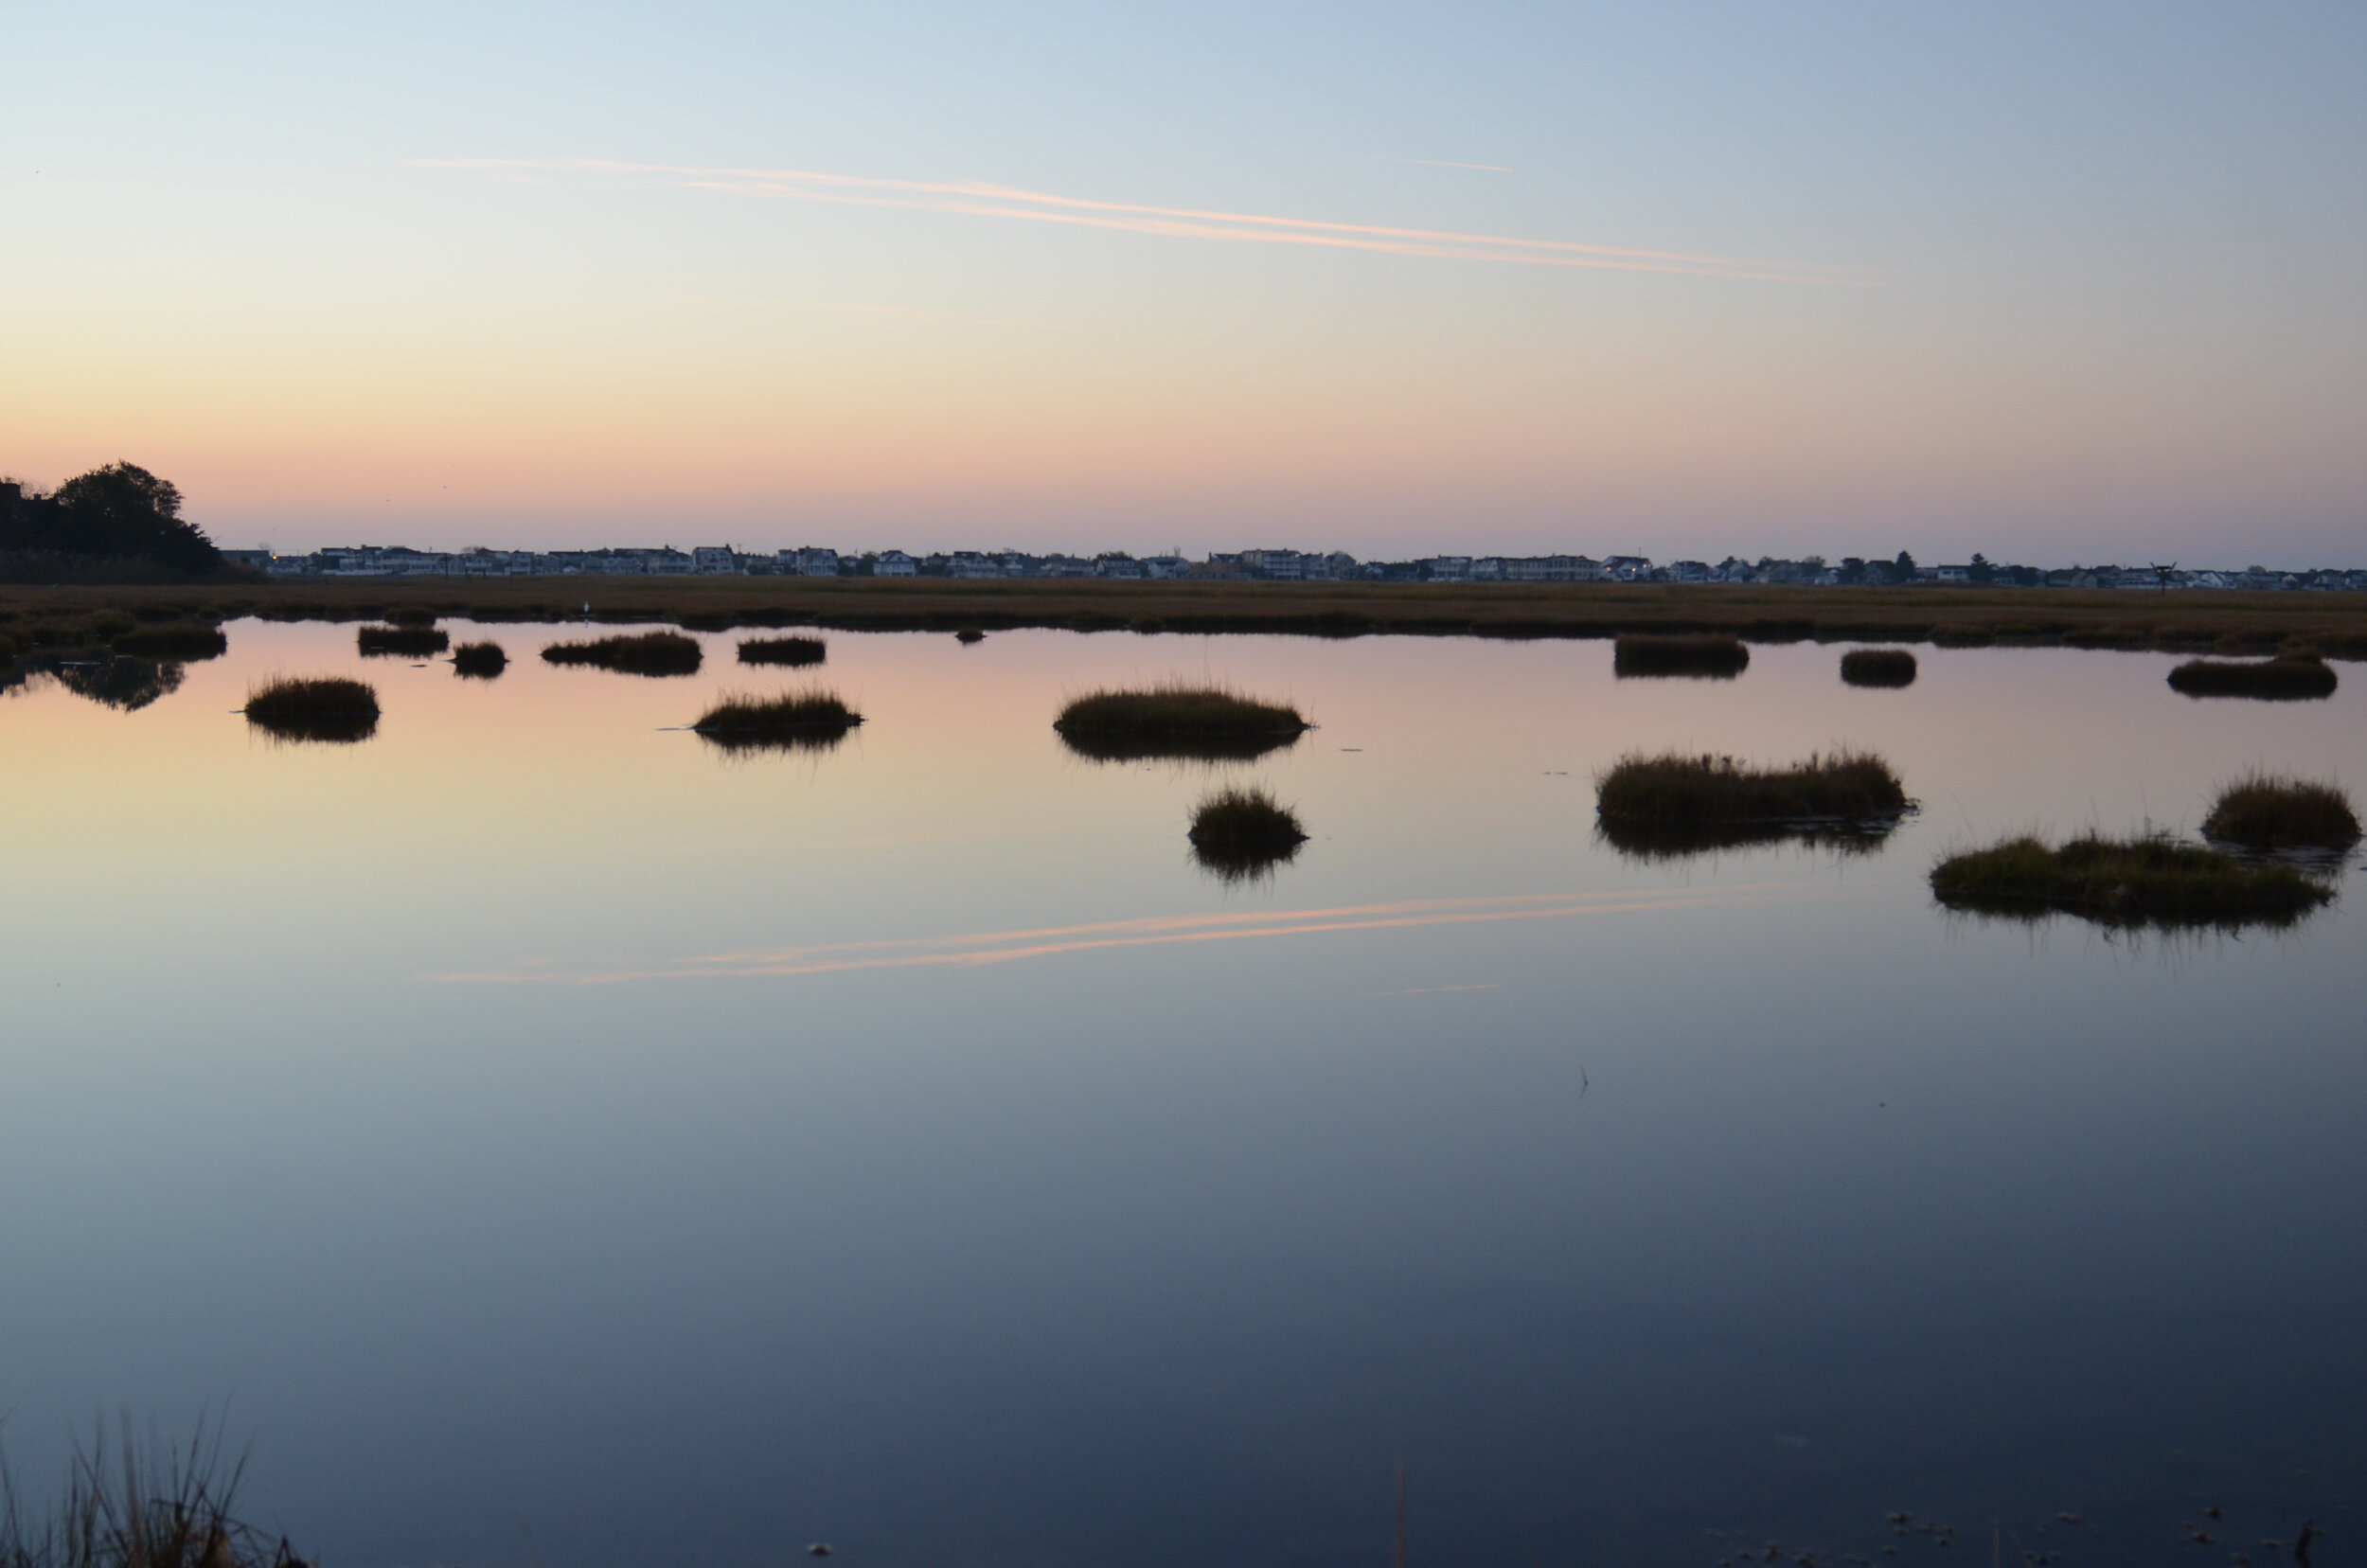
{"x":537,"y":1126}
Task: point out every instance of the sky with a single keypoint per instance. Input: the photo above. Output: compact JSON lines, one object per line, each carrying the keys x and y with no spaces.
{"x":2057,"y":283}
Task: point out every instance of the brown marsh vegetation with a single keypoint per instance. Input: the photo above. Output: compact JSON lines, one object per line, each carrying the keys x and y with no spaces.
{"x":794,"y":721}
{"x":783,"y":650}
{"x":2267,"y":811}
{"x":1878,"y":666}
{"x":1711,"y":656}
{"x":2146,"y":881}
{"x":2286,"y":678}
{"x":1240,"y":833}
{"x":401,"y":642}
{"x":123,"y":1508}
{"x":321,"y":708}
{"x":479,"y":660}
{"x":649,"y":653}
{"x":1678,"y":789}
{"x":1177,"y":720}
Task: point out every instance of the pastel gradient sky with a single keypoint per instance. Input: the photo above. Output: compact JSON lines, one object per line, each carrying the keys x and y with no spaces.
{"x":2055,"y":281}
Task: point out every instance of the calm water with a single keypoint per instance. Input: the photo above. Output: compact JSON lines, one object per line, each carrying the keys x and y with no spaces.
{"x":553,"y":1141}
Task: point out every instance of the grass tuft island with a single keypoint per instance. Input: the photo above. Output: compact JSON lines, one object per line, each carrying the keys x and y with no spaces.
{"x":2147,"y":880}
{"x":810,"y":720}
{"x":2287,"y":678}
{"x":1177,"y":720}
{"x":480,"y":661}
{"x":2266,"y":812}
{"x":783,"y":650}
{"x":1878,"y":666}
{"x":401,"y":641}
{"x":1713,"y":658}
{"x":647,"y":653}
{"x":1240,"y":832}
{"x":321,"y":708}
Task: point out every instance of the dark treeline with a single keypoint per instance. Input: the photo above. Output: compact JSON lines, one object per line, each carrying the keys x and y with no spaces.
{"x":111,"y":523}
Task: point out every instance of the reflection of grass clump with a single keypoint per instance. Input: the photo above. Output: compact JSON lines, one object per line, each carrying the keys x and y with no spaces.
{"x":1176,"y":719}
{"x":1878,"y":666}
{"x":783,"y":650}
{"x":2287,"y":677}
{"x":1240,"y":834}
{"x":2268,"y":812}
{"x":649,"y":653}
{"x":324,"y":708}
{"x":480,"y":660}
{"x":409,"y":642}
{"x":2146,"y":881}
{"x":794,"y":720}
{"x":1681,"y":791}
{"x":1713,"y":656}
{"x":185,"y":641}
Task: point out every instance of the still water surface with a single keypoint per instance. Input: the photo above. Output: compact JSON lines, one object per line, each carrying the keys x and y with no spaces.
{"x":552,"y":1140}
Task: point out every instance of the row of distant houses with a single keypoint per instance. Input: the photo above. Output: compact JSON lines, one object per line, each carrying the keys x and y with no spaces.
{"x":382,"y":561}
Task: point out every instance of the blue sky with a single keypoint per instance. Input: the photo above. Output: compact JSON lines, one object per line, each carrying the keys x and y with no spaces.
{"x":2064,"y":282}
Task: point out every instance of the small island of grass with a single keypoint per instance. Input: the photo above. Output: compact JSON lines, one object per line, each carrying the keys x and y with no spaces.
{"x":647,"y":653}
{"x":1178,"y":719}
{"x":322,"y":708}
{"x":783,"y":650}
{"x":2266,"y":812}
{"x":790,"y":720}
{"x":479,"y":661}
{"x":2287,"y":677}
{"x":1878,"y":666}
{"x":1711,"y":657}
{"x":2149,"y":880}
{"x":1244,"y":832}
{"x":1681,"y":791}
{"x":406,"y":642}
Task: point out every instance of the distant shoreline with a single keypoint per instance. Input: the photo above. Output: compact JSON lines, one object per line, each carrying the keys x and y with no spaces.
{"x":2178,"y":622}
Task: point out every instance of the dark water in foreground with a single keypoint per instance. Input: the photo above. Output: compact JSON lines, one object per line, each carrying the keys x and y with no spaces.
{"x":555,"y":1141}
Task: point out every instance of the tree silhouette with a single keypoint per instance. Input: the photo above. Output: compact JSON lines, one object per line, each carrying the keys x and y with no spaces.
{"x":121,"y":511}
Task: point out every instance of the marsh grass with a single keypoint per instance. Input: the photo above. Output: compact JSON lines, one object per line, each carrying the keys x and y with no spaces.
{"x":783,"y":650}
{"x":1242,"y":833}
{"x":1708,"y":657}
{"x":970,"y":635}
{"x":803,"y":720}
{"x":479,"y":661}
{"x":318,"y":708}
{"x":2286,"y":678}
{"x":2147,"y":880}
{"x":2266,"y":812}
{"x":405,"y":642}
{"x":1681,"y":791}
{"x":186,"y":641}
{"x":647,"y":653}
{"x":123,"y":1507}
{"x":1878,"y":666}
{"x":1177,"y":720}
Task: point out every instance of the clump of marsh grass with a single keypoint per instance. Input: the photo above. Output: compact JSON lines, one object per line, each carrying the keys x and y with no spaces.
{"x":2286,"y":678}
{"x":1178,"y":719}
{"x":321,"y":708}
{"x":2147,"y":880}
{"x":649,"y":653}
{"x":794,"y":721}
{"x":1712,"y":657}
{"x":1679,"y":790}
{"x":970,"y":635}
{"x":125,"y":1508}
{"x":480,"y":661}
{"x":1240,"y":833}
{"x":185,"y":641}
{"x":405,"y":642}
{"x":2266,"y":811}
{"x":783,"y":650}
{"x":1878,"y":666}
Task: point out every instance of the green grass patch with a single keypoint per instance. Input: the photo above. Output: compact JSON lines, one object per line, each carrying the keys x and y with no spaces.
{"x":401,"y":642}
{"x":1878,"y":666}
{"x":1177,"y":720}
{"x":1240,"y":833}
{"x":2147,"y":880}
{"x":792,"y":720}
{"x":480,"y":661}
{"x":2271,"y":811}
{"x":783,"y":650}
{"x":317,"y":708}
{"x":1702,"y":657}
{"x":649,"y":653}
{"x":2281,"y":679}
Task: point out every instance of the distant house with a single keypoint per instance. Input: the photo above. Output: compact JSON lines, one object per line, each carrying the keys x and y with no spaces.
{"x":894,"y":563}
{"x":715,"y":560}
